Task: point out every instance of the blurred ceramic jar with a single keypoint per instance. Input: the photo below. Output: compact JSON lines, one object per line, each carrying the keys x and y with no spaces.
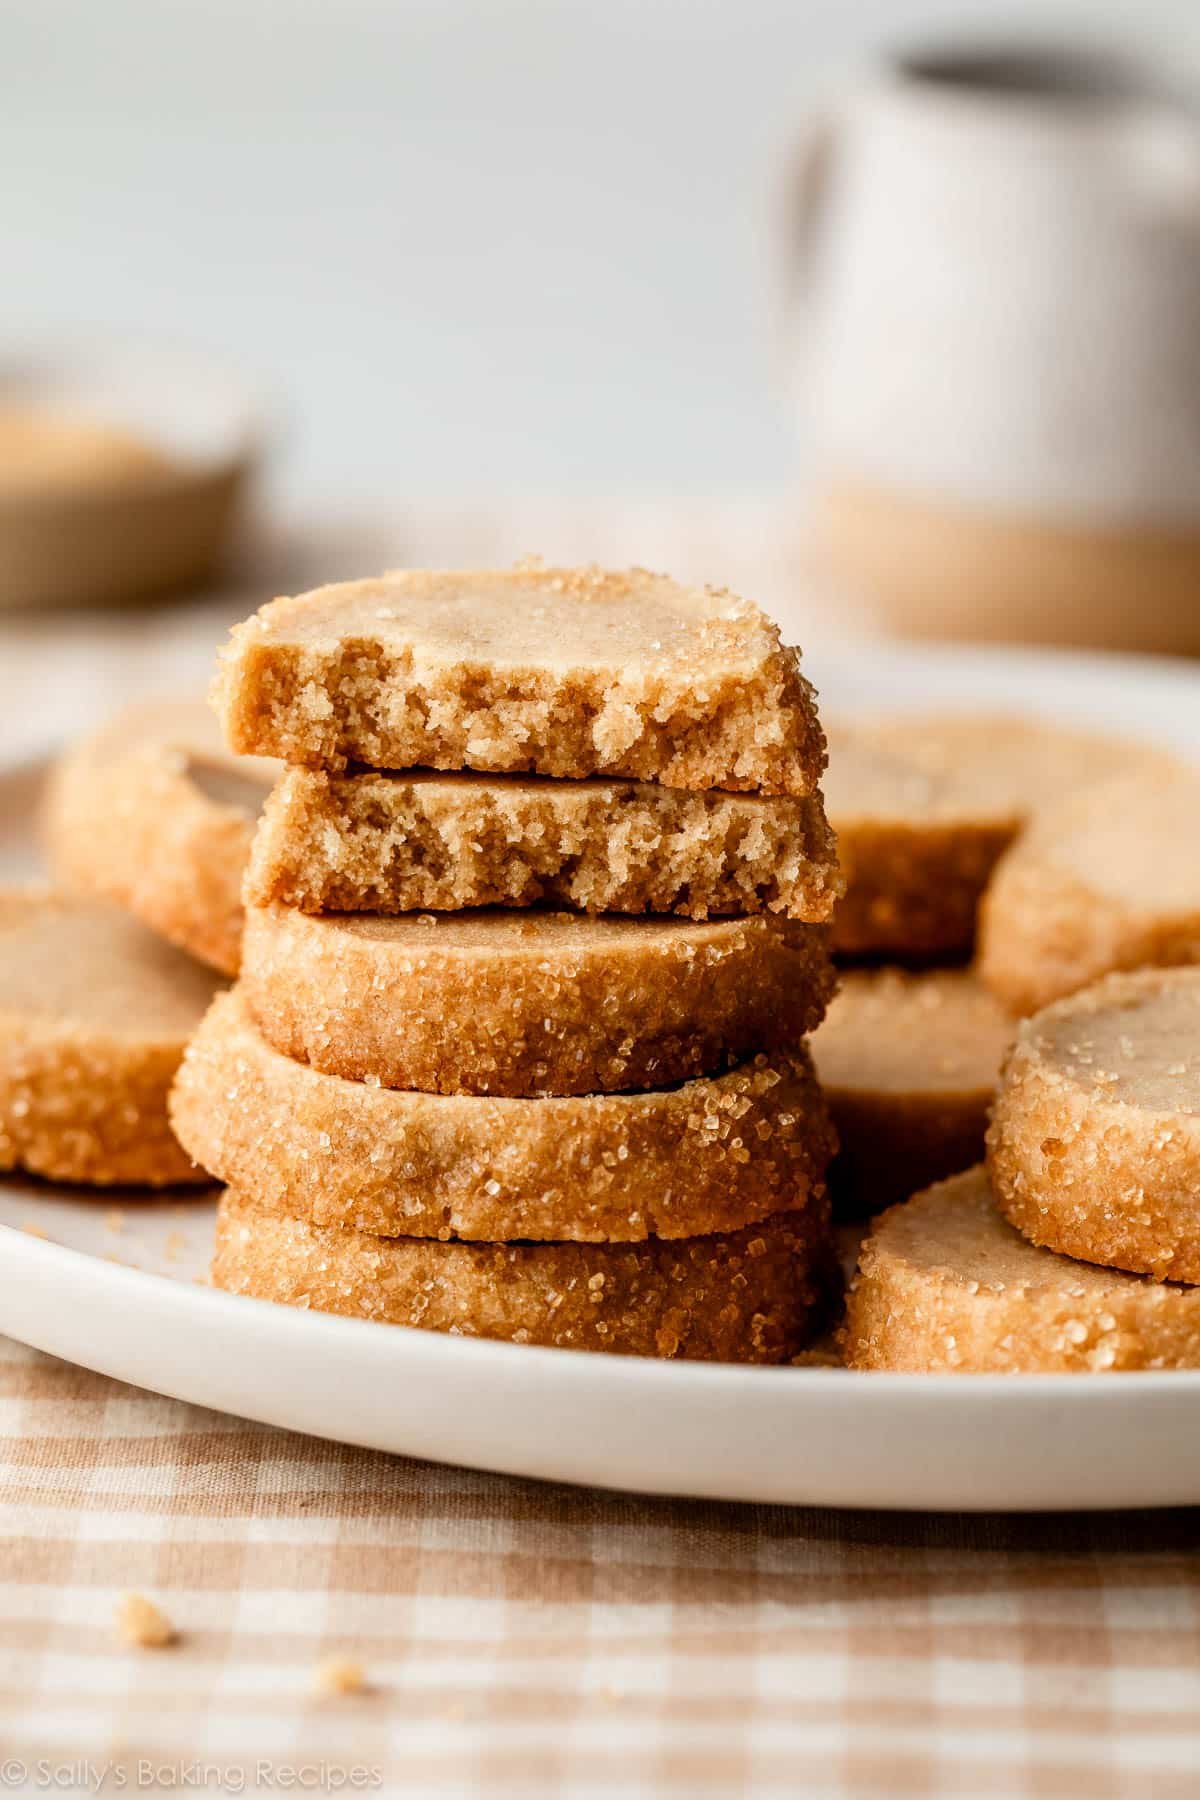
{"x":998,"y":298}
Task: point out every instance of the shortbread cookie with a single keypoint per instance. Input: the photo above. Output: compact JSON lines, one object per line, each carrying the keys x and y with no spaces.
{"x":924,"y":807}
{"x":712,"y":1155}
{"x":908,"y":1064}
{"x":530,"y":1003}
{"x":154,"y":813}
{"x":555,"y":671}
{"x":1108,"y":880}
{"x":423,"y":841}
{"x":751,"y":1296}
{"x":94,"y":1015}
{"x":946,"y":1285}
{"x":1094,"y":1145}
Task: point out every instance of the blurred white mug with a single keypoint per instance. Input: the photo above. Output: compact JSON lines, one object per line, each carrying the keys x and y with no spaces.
{"x":997,"y":262}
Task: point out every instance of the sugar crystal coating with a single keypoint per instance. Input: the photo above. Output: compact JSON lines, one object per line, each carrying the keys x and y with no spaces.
{"x":746,"y":1296}
{"x":945,"y":1285}
{"x":525,"y":1003}
{"x":1094,"y":1145}
{"x":565,"y":672}
{"x":710,"y":1155}
{"x":94,"y":1015}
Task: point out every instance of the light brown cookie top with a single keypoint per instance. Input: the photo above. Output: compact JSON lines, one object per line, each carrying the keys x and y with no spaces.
{"x":972,"y":767}
{"x":1109,"y":879}
{"x":566,"y":672}
{"x":889,"y":1031}
{"x":749,"y":1296}
{"x":423,"y":841}
{"x":710,"y":1155}
{"x":94,"y":1015}
{"x":923,"y":807}
{"x":153,"y":812}
{"x":946,"y":1285}
{"x":908,"y":1064}
{"x":524,"y":1003}
{"x":1094,"y":1146}
{"x":80,"y":963}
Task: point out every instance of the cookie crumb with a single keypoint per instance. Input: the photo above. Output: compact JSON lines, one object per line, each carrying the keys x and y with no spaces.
{"x":141,"y":1624}
{"x":339,"y":1675}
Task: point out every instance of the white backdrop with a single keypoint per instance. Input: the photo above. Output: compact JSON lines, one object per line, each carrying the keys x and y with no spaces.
{"x":478,"y":245}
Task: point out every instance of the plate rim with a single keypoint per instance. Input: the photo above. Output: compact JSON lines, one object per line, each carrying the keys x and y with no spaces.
{"x":199,"y":1298}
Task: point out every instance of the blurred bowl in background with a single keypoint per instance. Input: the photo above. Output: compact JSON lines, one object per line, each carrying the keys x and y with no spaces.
{"x":123,"y":470}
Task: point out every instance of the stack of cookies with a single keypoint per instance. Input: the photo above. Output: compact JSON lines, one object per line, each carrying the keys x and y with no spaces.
{"x":533,"y":943}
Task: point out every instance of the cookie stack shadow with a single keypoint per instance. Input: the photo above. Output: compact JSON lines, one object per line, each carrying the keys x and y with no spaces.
{"x":534,"y":941}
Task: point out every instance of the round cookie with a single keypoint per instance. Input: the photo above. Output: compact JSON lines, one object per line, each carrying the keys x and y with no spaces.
{"x":711,"y":1155}
{"x":751,"y":1296}
{"x":945,"y":1285}
{"x":1094,"y":1145}
{"x":908,"y":1064}
{"x":922,"y":809}
{"x":419,"y":841}
{"x":1110,"y":879}
{"x":94,"y":1015}
{"x":546,"y":671}
{"x":521,"y":1003}
{"x":154,"y":813}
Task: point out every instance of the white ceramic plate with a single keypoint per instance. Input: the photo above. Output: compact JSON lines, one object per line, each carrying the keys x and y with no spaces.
{"x":814,"y":1436}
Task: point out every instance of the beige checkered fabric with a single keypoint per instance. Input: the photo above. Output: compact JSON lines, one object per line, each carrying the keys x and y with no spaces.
{"x":534,"y":1641}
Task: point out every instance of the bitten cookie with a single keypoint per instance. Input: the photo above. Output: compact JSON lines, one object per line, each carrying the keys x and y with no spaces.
{"x":421,"y":841}
{"x":154,"y":813}
{"x":751,"y":1296}
{"x":946,"y":1285}
{"x":924,"y":807}
{"x":1108,"y":880}
{"x":567,"y":672}
{"x":711,"y":1155}
{"x":529,"y":1003}
{"x":908,"y":1064}
{"x":94,"y":1015}
{"x":1094,"y":1145}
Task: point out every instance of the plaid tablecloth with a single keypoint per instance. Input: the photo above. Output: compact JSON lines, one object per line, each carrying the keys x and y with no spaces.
{"x":536,"y":1641}
{"x":520,"y":1639}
